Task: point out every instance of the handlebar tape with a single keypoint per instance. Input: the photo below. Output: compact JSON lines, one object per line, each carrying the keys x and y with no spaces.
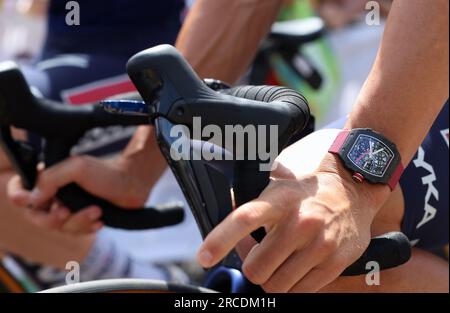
{"x":249,"y":180}
{"x":113,"y":216}
{"x":388,"y":251}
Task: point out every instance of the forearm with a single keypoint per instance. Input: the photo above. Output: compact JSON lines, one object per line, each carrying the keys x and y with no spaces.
{"x":408,"y":84}
{"x":219,"y":38}
{"x":142,"y":157}
{"x":425,"y":272}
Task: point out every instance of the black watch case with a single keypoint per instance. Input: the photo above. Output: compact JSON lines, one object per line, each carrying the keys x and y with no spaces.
{"x":355,"y":138}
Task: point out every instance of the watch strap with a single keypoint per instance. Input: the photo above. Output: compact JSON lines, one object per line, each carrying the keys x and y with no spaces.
{"x":395,"y":178}
{"x":339,"y":141}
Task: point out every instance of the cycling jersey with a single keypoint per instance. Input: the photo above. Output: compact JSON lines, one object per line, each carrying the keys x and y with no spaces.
{"x":113,"y":26}
{"x":425,"y":186}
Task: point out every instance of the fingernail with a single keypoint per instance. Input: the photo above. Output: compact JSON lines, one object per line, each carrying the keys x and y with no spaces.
{"x":205,"y":258}
{"x":35,"y":195}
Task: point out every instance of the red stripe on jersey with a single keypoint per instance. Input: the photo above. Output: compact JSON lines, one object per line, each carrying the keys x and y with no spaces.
{"x":95,"y":93}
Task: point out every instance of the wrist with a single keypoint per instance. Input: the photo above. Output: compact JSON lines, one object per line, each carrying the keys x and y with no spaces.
{"x":134,"y":163}
{"x":142,"y":148}
{"x":369,"y":195}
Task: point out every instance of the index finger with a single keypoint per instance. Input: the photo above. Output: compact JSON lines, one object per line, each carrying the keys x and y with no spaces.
{"x":71,"y":170}
{"x":239,"y":224}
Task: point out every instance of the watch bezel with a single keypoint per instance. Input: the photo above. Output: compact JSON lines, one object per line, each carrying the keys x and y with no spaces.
{"x":349,"y":144}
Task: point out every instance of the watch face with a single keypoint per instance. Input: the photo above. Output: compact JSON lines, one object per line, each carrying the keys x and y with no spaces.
{"x":370,"y":155}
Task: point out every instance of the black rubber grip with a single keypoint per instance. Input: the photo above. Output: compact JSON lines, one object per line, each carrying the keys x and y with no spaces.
{"x":388,"y":251}
{"x":270,"y":94}
{"x":131,"y":219}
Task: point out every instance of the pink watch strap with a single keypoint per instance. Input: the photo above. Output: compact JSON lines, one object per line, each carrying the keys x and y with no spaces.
{"x":339,"y":141}
{"x":395,"y":178}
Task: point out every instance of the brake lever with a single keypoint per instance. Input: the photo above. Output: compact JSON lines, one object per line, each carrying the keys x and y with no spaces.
{"x":62,"y":127}
{"x":140,"y":108}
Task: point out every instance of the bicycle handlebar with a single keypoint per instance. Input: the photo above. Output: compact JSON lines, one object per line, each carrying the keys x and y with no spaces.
{"x":174,"y":94}
{"x":62,"y":127}
{"x":388,"y":251}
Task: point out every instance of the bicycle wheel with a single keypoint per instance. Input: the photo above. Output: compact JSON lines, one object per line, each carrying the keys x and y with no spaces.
{"x":127,"y":286}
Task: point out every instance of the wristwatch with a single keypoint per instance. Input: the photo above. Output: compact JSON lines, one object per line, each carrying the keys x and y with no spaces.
{"x":369,"y":156}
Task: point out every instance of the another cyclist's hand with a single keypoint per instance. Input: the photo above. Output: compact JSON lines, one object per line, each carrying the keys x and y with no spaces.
{"x":124,"y":180}
{"x":317,"y":221}
{"x":53,"y":215}
{"x":107,"y":179}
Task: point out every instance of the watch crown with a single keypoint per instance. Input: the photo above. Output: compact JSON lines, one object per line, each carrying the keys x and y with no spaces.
{"x":357,"y":177}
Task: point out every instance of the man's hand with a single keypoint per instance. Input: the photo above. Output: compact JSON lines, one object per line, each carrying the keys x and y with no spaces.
{"x":54,"y":215}
{"x":124,"y":180}
{"x":106,"y":179}
{"x":317,"y":221}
